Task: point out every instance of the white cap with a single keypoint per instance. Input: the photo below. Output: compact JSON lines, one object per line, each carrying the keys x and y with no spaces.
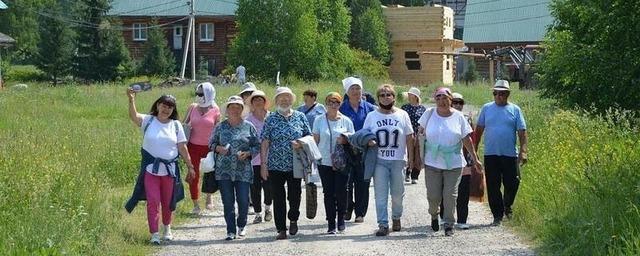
{"x":350,"y":81}
{"x":501,"y":85}
{"x":248,"y":87}
{"x":283,"y":89}
{"x":234,"y":100}
{"x":456,"y":95}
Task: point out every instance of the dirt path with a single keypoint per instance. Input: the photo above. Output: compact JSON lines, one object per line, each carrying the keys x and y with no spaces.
{"x":205,"y":235}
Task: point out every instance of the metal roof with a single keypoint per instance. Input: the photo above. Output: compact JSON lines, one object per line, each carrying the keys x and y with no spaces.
{"x":2,"y":5}
{"x":155,"y":8}
{"x":6,"y":40}
{"x":501,"y":21}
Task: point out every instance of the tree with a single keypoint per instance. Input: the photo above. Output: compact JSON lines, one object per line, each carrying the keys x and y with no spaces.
{"x":20,"y":21}
{"x":303,"y":38}
{"x":589,"y":59}
{"x":471,"y":75}
{"x":56,"y":46}
{"x":102,"y":55}
{"x":158,"y":59}
{"x":368,"y":29}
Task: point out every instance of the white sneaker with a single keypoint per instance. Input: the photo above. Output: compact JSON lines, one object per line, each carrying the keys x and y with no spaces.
{"x":166,"y":234}
{"x":196,"y":210}
{"x":155,"y":238}
{"x":462,"y":226}
{"x":230,"y":236}
{"x":242,"y":232}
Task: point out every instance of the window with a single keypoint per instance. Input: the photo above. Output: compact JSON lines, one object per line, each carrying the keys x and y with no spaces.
{"x":206,"y":32}
{"x":412,"y":60}
{"x":139,"y":32}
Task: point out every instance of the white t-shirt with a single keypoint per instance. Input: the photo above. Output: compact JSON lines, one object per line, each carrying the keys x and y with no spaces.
{"x":447,"y":132}
{"x":342,"y":125}
{"x":161,"y":141}
{"x":391,"y":131}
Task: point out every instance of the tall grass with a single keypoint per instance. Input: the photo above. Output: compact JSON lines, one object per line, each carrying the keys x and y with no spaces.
{"x":580,"y":192}
{"x":69,"y":158}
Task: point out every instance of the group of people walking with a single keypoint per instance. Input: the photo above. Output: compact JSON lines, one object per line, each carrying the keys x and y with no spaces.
{"x":262,"y":157}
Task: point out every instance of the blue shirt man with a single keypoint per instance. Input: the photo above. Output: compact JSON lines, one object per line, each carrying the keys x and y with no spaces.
{"x":502,"y":121}
{"x":311,"y":108}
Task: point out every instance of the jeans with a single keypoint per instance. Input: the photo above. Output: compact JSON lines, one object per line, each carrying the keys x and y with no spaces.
{"x":388,"y":177}
{"x":501,"y":170}
{"x":233,"y":192}
{"x":358,"y":185}
{"x":280,"y":196}
{"x":257,"y":187}
{"x":442,"y":186}
{"x":334,"y":188}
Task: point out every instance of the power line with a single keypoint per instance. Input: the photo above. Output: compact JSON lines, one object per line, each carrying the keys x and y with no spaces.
{"x":77,"y":23}
{"x":506,"y":21}
{"x":508,"y":8}
{"x":150,"y":7}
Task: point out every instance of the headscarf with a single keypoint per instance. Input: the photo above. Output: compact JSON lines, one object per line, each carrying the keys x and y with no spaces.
{"x":209,"y":95}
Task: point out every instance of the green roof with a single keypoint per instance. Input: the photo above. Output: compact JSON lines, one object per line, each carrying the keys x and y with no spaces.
{"x":502,"y":21}
{"x":155,"y":8}
{"x":2,"y":5}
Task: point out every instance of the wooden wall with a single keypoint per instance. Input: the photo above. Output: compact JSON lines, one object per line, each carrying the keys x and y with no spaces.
{"x":482,"y":64}
{"x":418,"y":29}
{"x":224,"y":32}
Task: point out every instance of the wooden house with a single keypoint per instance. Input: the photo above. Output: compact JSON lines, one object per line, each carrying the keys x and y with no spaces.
{"x":417,"y":29}
{"x":214,"y":29}
{"x":502,"y":23}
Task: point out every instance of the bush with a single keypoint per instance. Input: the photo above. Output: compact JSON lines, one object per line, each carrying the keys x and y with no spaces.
{"x":580,"y":192}
{"x":587,"y":61}
{"x":25,"y":73}
{"x":471,"y":75}
{"x":365,"y":65}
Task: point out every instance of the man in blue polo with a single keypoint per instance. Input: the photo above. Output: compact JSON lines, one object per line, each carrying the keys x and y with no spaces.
{"x":356,"y":109}
{"x":501,"y":121}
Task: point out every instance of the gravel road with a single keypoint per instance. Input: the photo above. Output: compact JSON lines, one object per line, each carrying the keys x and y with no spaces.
{"x":205,"y":235}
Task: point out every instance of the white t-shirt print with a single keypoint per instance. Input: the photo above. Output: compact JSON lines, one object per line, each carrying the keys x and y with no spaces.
{"x":391,"y":132}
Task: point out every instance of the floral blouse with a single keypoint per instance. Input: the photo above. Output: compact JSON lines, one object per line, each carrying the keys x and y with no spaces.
{"x":242,"y":137}
{"x":415,"y":112}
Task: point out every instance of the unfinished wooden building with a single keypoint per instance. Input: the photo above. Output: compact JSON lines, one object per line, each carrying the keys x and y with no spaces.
{"x":418,"y":29}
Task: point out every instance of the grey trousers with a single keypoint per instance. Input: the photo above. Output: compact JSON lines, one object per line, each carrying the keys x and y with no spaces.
{"x":442,"y":186}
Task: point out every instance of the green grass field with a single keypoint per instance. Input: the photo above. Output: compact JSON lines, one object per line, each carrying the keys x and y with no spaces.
{"x":70,"y":157}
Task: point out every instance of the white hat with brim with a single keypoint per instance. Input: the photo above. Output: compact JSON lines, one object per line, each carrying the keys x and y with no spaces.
{"x":350,"y":81}
{"x":257,"y":93}
{"x":456,"y":95}
{"x":501,"y":85}
{"x":248,"y":87}
{"x":283,"y":90}
{"x":234,"y":100}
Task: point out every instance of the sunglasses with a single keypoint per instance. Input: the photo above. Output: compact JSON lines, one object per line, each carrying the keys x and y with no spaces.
{"x":383,"y":95}
{"x":441,"y":96}
{"x":457,"y":102}
{"x":333,"y":102}
{"x":200,"y":94}
{"x":501,"y":93}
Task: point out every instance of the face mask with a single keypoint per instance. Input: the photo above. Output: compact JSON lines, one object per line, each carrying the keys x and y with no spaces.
{"x":387,"y":107}
{"x":201,"y":102}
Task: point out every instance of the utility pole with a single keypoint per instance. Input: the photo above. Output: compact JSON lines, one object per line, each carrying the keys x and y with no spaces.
{"x":186,"y":49}
{"x":193,"y":42}
{"x":191,"y":38}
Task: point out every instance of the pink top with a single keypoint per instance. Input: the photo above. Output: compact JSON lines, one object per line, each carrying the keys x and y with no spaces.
{"x":202,"y":125}
{"x":258,"y":124}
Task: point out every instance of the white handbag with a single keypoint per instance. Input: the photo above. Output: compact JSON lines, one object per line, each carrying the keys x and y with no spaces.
{"x":208,"y":163}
